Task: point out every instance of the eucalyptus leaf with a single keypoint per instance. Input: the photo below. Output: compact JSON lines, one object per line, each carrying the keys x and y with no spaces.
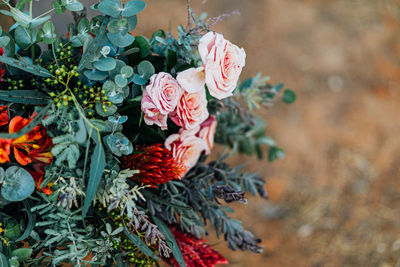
{"x":95,"y":75}
{"x":107,"y":112}
{"x":28,"y":97}
{"x":3,"y":260}
{"x":26,"y":66}
{"x":133,"y":7}
{"x":121,"y":40}
{"x":118,"y":26}
{"x":105,"y":64}
{"x":97,"y":165}
{"x":110,"y":8}
{"x":146,"y":69}
{"x":22,"y":37}
{"x":18,"y":184}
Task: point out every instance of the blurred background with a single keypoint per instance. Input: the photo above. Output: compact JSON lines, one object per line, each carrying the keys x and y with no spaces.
{"x":335,"y":197}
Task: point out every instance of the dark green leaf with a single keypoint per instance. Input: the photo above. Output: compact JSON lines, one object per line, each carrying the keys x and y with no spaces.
{"x":139,"y":243}
{"x":289,"y":96}
{"x":31,"y":221}
{"x":144,"y":46}
{"x":3,"y":260}
{"x":22,"y":254}
{"x":26,"y":66}
{"x":28,"y":97}
{"x":170,"y":241}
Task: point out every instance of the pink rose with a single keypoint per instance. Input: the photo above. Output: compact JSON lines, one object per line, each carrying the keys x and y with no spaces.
{"x":191,"y":110}
{"x":160,"y":98}
{"x":207,"y":132}
{"x":186,"y":147}
{"x":223,"y":64}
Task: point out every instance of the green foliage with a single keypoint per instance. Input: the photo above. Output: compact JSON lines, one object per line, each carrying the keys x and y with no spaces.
{"x":17,"y":185}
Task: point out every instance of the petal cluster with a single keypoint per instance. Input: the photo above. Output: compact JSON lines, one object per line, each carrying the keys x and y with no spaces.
{"x":195,"y":252}
{"x":156,"y":165}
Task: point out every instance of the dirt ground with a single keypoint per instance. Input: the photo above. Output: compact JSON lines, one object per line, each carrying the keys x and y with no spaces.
{"x":335,"y":198}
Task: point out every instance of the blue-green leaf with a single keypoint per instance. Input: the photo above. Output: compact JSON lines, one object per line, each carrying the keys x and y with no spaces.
{"x":22,"y":254}
{"x":105,"y":64}
{"x":18,"y":184}
{"x":28,"y":97}
{"x":121,"y":40}
{"x":97,"y":165}
{"x":3,"y":260}
{"x":26,"y":66}
{"x":110,"y":8}
{"x":73,"y":5}
{"x":170,"y":241}
{"x":95,"y":75}
{"x":133,"y":7}
{"x":22,"y":37}
{"x":31,"y":221}
{"x":93,"y":46}
{"x":139,"y":243}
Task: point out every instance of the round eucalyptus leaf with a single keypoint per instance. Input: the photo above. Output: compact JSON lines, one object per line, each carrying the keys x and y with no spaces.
{"x":105,"y":112}
{"x":18,"y":184}
{"x":95,"y":75}
{"x":2,"y":174}
{"x":120,"y":80}
{"x":133,"y":7}
{"x":127,"y":71}
{"x":146,"y":69}
{"x":139,"y":80}
{"x":49,"y":35}
{"x":110,"y":8}
{"x":117,"y":69}
{"x":105,"y":64}
{"x":22,"y":37}
{"x":118,"y":119}
{"x":118,"y":26}
{"x":109,"y":86}
{"x":132,"y":22}
{"x":9,"y":48}
{"x":73,"y":5}
{"x":121,"y":40}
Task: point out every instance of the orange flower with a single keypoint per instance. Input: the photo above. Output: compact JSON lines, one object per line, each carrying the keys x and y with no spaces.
{"x":33,"y":146}
{"x":5,"y":150}
{"x":3,"y":115}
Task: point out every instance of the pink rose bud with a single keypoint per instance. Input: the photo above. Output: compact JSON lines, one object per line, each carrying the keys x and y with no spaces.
{"x":186,"y":148}
{"x":160,"y":98}
{"x":191,"y":110}
{"x":207,"y":132}
{"x":223,"y":64}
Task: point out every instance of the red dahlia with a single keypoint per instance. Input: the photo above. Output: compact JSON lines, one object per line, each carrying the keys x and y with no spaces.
{"x":195,"y":252}
{"x":156,"y":166}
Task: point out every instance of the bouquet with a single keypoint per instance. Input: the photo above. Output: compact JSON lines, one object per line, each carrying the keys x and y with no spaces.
{"x":104,"y":138}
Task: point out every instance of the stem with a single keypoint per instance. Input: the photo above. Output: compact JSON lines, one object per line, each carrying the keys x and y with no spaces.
{"x":45,"y":13}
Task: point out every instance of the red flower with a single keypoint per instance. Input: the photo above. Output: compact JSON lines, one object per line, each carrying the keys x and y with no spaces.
{"x":3,"y":115}
{"x":33,"y":146}
{"x":195,"y":252}
{"x":156,"y":166}
{"x":38,"y":173}
{"x":1,"y":71}
{"x":5,"y":150}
